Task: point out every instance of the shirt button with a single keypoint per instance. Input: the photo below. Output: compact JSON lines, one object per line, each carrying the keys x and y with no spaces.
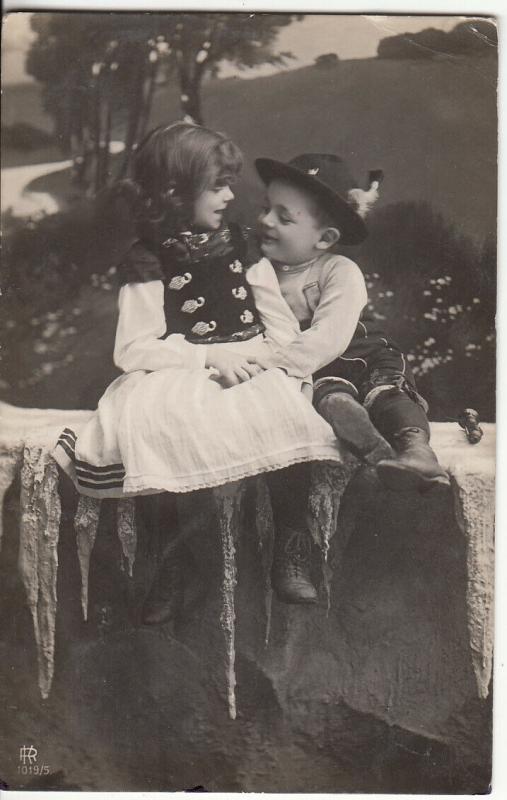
{"x":285,"y":269}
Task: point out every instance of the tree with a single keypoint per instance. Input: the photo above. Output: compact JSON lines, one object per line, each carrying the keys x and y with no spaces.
{"x":100,"y":70}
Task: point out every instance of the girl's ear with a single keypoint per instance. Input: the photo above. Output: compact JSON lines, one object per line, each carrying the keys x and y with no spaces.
{"x":329,"y":237}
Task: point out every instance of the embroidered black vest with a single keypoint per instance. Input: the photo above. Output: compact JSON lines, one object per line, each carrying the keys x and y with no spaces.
{"x":206,"y":295}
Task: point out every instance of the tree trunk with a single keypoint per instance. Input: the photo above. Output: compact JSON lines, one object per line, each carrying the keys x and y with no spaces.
{"x":133,"y":118}
{"x":190,"y":84}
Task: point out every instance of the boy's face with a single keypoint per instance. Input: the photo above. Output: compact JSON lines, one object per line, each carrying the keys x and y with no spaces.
{"x":289,"y":229}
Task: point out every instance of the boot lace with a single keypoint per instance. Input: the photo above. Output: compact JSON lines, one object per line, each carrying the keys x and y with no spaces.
{"x":297,"y":551}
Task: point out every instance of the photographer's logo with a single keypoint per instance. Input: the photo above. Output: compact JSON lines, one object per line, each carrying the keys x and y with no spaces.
{"x":28,"y":761}
{"x":28,"y":755}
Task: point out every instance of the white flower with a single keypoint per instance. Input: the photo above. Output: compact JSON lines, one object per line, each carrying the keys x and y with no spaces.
{"x":49,"y":330}
{"x":201,"y":56}
{"x":427,"y":293}
{"x":476,"y":300}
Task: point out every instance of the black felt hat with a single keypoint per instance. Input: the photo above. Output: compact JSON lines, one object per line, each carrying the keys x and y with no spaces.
{"x":326,"y":177}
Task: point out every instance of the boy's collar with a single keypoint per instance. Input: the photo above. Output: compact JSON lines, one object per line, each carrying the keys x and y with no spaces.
{"x":295,"y":267}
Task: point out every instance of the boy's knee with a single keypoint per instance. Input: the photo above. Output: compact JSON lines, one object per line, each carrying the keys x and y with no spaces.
{"x":331,"y":385}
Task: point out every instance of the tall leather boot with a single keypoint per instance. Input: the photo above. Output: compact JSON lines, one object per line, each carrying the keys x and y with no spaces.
{"x":291,"y":567}
{"x":352,"y":425}
{"x":415,"y":465}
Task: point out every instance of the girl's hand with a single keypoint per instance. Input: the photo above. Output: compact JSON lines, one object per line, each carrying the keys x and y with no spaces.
{"x":232,"y":367}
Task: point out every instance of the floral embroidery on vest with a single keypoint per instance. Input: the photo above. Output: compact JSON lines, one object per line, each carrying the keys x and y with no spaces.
{"x":247,"y":317}
{"x":179,"y":281}
{"x":189,"y":306}
{"x":202,"y":328}
{"x":236,"y":266}
{"x":239,"y":293}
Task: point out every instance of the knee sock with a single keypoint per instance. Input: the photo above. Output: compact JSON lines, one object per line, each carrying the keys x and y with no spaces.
{"x":392,"y":410}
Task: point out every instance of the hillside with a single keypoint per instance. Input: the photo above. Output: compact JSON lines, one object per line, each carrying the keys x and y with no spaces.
{"x":431,"y":125}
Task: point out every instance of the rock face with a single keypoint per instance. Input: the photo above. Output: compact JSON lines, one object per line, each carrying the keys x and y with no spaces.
{"x":382,"y":687}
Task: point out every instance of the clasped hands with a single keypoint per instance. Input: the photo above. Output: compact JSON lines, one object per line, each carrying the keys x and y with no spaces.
{"x":233,"y":368}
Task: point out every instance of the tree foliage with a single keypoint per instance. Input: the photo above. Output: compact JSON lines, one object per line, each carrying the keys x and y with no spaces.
{"x":476,"y":37}
{"x":100,"y":70}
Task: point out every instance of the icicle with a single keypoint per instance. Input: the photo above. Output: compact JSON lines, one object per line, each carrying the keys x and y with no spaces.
{"x":266,"y":538}
{"x":228,"y":499}
{"x":328,"y":483}
{"x":474,"y":500}
{"x":127,"y":531}
{"x":86,"y":521}
{"x":38,"y":552}
{"x":10,"y":462}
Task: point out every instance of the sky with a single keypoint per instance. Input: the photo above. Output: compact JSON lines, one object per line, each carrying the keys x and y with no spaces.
{"x":350,"y":36}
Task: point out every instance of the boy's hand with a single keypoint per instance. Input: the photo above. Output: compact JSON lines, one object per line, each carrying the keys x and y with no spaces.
{"x":232,"y":367}
{"x":266,"y":361}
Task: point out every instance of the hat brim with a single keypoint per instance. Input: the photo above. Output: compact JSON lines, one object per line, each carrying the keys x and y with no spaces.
{"x":352,"y":227}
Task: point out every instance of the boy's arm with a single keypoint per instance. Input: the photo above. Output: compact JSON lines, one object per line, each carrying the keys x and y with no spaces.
{"x":343,"y":297}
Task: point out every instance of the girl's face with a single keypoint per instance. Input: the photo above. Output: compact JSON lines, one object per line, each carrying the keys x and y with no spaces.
{"x":210,"y":206}
{"x":290,"y":232}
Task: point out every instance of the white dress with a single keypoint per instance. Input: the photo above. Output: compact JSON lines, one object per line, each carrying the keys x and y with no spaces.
{"x":165,"y":425}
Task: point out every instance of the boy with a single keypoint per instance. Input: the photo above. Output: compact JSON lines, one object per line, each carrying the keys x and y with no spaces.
{"x":362,"y":384}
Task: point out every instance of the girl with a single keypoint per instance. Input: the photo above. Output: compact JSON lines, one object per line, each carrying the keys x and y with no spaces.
{"x":193,"y":409}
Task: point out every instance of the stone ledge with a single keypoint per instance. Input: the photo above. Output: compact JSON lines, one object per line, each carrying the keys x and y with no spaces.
{"x":27,"y":436}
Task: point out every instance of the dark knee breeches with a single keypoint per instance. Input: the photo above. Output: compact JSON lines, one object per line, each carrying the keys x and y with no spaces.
{"x":375,"y":372}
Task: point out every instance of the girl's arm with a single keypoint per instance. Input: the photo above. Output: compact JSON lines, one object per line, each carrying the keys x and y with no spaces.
{"x":141,"y":323}
{"x":343,"y":297}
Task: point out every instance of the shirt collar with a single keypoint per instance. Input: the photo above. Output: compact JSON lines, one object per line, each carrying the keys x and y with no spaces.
{"x":290,"y":268}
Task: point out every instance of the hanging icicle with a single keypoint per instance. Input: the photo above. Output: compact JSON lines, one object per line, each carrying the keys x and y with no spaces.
{"x":228,"y":500}
{"x":38,"y":552}
{"x":127,"y":531}
{"x":474,"y":501}
{"x":266,"y":539}
{"x":86,"y":522}
{"x":328,"y":483}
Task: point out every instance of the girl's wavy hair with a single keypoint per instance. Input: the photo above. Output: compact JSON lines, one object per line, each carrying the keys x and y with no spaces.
{"x":171,"y":167}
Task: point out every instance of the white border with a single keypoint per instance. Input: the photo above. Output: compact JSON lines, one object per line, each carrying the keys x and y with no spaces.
{"x":423,"y":7}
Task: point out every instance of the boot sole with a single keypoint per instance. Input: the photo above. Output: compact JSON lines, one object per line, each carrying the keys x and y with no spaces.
{"x":401,"y":479}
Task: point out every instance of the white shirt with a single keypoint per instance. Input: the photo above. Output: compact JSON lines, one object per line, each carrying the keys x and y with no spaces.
{"x":142,"y":322}
{"x":329,"y":294}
